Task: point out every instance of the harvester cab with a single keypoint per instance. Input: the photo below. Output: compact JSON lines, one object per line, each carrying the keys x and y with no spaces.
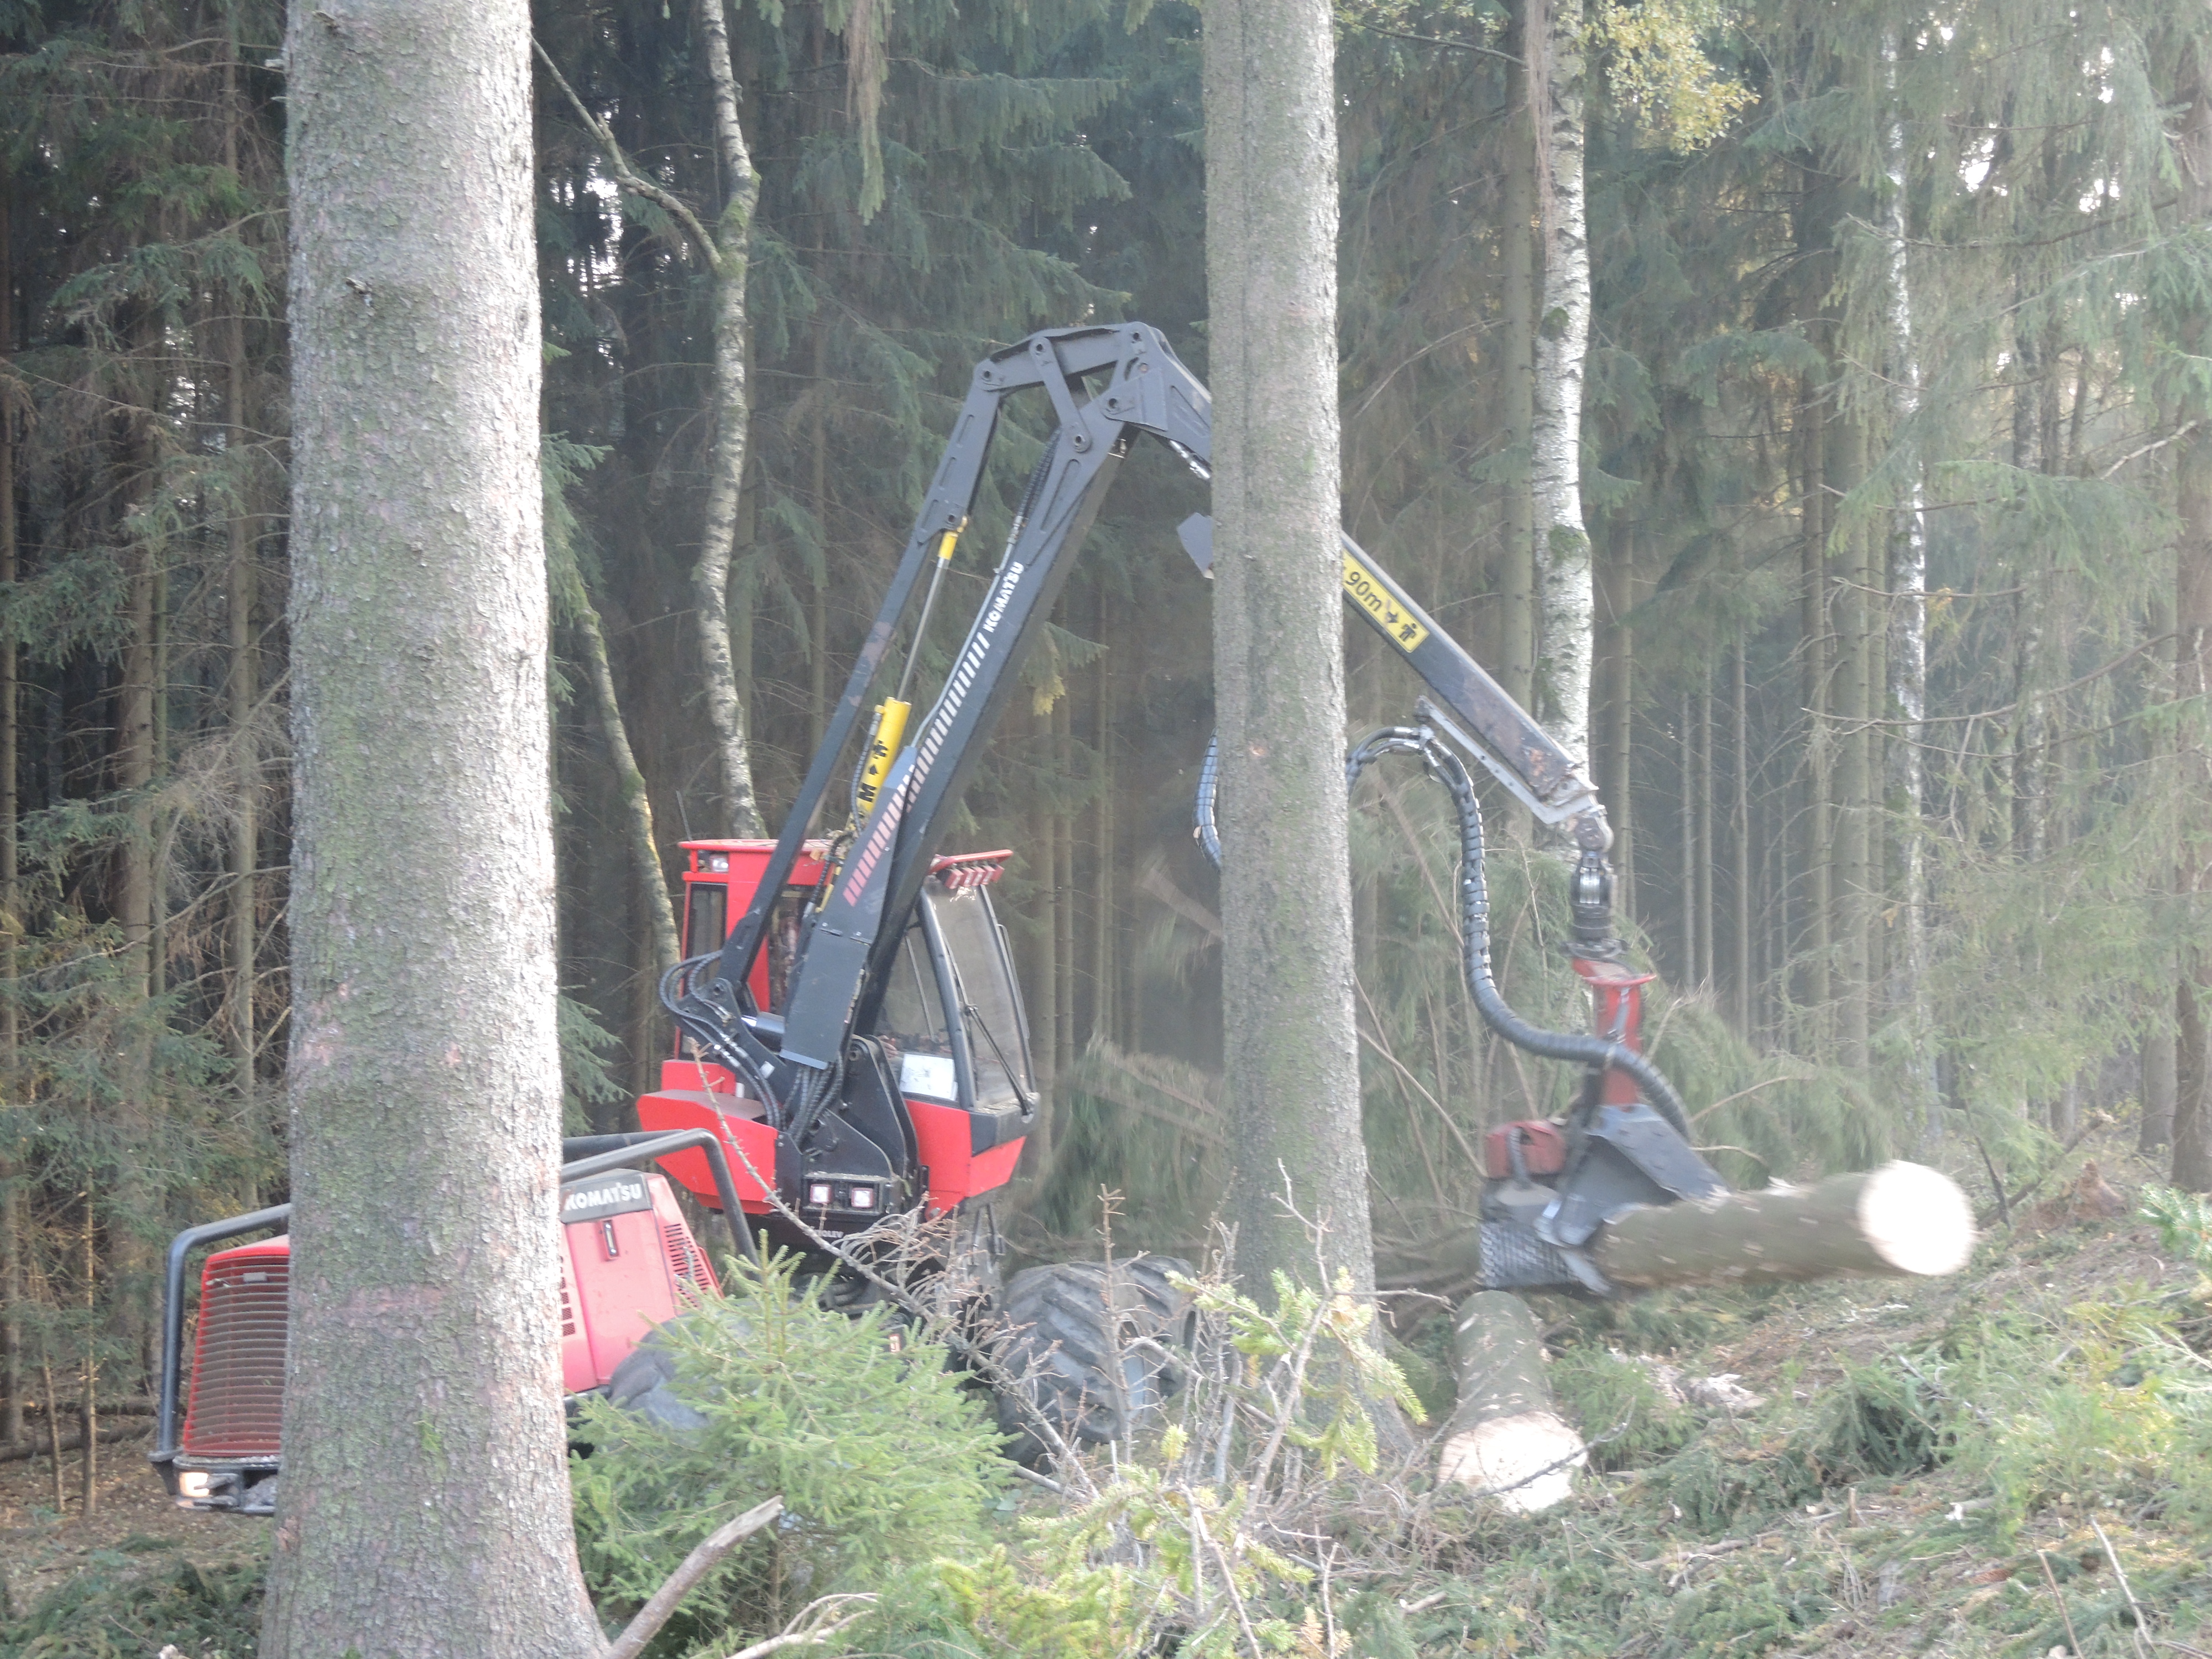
{"x":938,"y":1094}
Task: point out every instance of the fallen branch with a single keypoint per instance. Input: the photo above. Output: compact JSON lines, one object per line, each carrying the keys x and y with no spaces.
{"x":813,"y":1625}
{"x":23,"y":1451}
{"x":681,"y":1582}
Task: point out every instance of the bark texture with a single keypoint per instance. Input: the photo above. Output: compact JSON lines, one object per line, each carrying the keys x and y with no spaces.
{"x":1279,"y":643}
{"x":1506,"y":1438}
{"x":1516,"y":576}
{"x":2192,"y":648}
{"x":11,"y":1261}
{"x":1900,"y":1220}
{"x":1563,"y":545}
{"x":1908,"y":636}
{"x":425,"y":1506}
{"x":629,"y":782}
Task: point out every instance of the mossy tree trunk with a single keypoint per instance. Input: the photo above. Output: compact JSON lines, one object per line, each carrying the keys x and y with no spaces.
{"x":1292,"y":1057}
{"x":425,"y":1507}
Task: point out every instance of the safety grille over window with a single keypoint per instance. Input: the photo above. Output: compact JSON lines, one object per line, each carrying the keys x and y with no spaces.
{"x":237,"y":1404}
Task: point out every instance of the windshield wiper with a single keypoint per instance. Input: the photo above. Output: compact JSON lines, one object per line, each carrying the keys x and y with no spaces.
{"x":969,"y":1011}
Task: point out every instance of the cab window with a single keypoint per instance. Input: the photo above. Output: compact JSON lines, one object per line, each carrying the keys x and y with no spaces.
{"x":990,"y":1004}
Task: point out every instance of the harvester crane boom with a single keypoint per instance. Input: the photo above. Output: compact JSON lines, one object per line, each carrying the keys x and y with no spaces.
{"x":854,"y":934}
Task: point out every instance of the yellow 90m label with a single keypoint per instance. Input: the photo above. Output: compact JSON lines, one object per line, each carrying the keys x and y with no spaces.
{"x":1365,"y":590}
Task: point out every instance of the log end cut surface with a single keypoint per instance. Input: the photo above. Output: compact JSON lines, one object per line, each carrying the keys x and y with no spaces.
{"x":1526,"y":1462}
{"x":1917,"y":1220}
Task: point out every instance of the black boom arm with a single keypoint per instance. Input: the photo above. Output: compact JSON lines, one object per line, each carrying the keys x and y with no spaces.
{"x":1106,"y":385}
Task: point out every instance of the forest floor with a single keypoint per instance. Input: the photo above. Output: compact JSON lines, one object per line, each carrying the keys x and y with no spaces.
{"x":2013,"y":1461}
{"x":1955,"y":1468}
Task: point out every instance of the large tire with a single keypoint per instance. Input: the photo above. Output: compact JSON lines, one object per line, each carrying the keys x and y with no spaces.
{"x":1090,"y":1346}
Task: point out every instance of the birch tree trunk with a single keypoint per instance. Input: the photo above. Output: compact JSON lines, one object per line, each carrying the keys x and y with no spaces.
{"x":710,"y":578}
{"x":425,"y":1509}
{"x":1563,"y":546}
{"x":1908,"y":633}
{"x":1278,"y":638}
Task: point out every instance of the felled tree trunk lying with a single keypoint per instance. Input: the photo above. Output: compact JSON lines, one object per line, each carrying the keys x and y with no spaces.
{"x":1902,"y":1220}
{"x":1506,"y":1439}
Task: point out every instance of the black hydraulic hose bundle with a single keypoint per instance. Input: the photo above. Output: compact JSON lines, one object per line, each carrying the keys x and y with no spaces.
{"x":1578,"y":1048}
{"x":675,"y":986}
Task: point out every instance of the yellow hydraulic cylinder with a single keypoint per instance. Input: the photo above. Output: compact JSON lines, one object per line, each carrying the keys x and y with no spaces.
{"x":883,"y":750}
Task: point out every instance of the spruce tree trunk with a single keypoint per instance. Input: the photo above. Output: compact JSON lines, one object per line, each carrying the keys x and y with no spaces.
{"x":245,"y":690}
{"x":1741,"y":846}
{"x":2192,"y":621}
{"x":11,"y":1260}
{"x":2157,"y":1130}
{"x":1853,"y":849}
{"x":1620,"y":713}
{"x":710,"y":581}
{"x":1816,"y":657}
{"x":425,"y":1507}
{"x":1279,"y":643}
{"x":1563,"y":545}
{"x":1516,"y":577}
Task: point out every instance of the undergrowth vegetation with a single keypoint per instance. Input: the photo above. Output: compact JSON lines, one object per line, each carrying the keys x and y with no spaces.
{"x":2011,"y":1463}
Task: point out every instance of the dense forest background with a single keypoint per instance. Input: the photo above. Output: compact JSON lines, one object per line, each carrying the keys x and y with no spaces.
{"x":1879,"y":291}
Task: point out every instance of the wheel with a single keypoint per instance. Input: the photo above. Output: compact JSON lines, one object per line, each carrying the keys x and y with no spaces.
{"x":1092,"y":1347}
{"x":645,"y":1383}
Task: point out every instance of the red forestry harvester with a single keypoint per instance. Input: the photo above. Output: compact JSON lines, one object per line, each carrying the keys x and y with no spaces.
{"x":851,"y":1043}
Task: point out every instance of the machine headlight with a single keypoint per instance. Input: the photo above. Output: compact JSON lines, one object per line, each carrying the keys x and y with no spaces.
{"x":193,"y":1483}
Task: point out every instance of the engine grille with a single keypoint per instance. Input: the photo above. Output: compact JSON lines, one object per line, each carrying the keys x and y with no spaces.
{"x":687,"y":1261}
{"x":237,"y":1403}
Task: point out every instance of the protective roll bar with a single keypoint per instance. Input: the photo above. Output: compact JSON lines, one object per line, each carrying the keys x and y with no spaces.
{"x":582,"y":1154}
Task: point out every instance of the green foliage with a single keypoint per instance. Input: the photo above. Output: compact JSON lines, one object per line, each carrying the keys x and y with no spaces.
{"x":2119,"y":1412}
{"x":883,"y":1460}
{"x":123,"y":1606}
{"x":1199,"y":1503}
{"x":2183,"y":1221}
{"x":1657,"y":67}
{"x":1608,"y":1394}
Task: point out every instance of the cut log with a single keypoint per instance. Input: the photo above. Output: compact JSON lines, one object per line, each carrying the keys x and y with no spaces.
{"x":1898,"y":1221}
{"x":1505,"y":1439}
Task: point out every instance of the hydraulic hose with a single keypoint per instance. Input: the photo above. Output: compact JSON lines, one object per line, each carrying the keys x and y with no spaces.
{"x":1442,"y":764}
{"x":675,"y":989}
